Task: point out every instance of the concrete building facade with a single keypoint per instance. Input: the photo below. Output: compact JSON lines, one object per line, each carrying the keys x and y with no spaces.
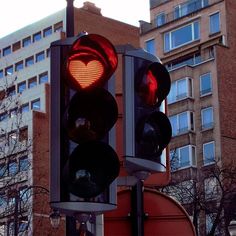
{"x":24,"y":115}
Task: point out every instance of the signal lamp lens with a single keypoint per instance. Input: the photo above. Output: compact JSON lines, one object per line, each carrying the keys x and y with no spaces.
{"x":92,"y":166}
{"x":91,"y":62}
{"x":90,"y":115}
{"x":153,"y":134}
{"x":86,"y":74}
{"x":154,"y":84}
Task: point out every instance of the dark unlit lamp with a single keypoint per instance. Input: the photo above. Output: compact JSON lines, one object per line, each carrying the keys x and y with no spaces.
{"x":232,"y":228}
{"x":55,"y":219}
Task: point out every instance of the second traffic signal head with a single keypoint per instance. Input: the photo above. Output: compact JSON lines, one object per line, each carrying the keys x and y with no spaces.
{"x":147,"y":128}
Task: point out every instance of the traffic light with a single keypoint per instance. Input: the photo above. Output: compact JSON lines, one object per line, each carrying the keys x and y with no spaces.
{"x":83,"y":111}
{"x":147,"y":128}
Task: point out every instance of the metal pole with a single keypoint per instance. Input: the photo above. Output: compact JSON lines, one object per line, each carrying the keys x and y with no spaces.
{"x":137,"y":211}
{"x":70,"y":221}
{"x":70,"y":18}
{"x":71,"y":226}
{"x":16,"y":214}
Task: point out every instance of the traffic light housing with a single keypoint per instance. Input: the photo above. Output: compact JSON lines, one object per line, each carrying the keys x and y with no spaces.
{"x":147,"y":130}
{"x":83,"y":164}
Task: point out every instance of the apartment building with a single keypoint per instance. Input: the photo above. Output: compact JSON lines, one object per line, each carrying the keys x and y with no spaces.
{"x":24,"y":115}
{"x":195,"y":39}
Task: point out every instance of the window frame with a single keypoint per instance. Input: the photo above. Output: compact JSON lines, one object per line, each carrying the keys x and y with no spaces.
{"x":209,"y":125}
{"x":190,"y":123}
{"x":208,"y":90}
{"x":19,"y":66}
{"x":212,"y":24}
{"x":192,"y":162}
{"x":47,"y":31}
{"x":35,"y":102}
{"x":32,"y":82}
{"x":176,"y":95}
{"x":6,"y":51}
{"x":168,"y":46}
{"x":208,"y":161}
{"x":150,"y":46}
{"x":160,"y":19}
{"x":42,"y":77}
{"x":29,"y":61}
{"x":40,"y":56}
{"x":37,"y":37}
{"x":26,"y":41}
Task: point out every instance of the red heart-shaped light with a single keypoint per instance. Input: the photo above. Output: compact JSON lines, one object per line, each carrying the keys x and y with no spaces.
{"x":86,"y":74}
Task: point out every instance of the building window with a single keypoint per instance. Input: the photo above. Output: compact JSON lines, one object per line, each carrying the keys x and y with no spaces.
{"x":37,"y":37}
{"x":210,"y":218}
{"x":150,"y":46}
{"x":35,"y":105}
{"x":23,"y":163}
{"x":9,"y":70}
{"x":205,"y":84}
{"x":182,"y":123}
{"x":43,"y":78}
{"x":215,"y":23}
{"x":3,"y":201}
{"x":12,"y":168}
{"x":47,"y":31}
{"x":181,"y":36}
{"x":29,"y":61}
{"x":161,"y":19}
{"x":26,"y":41}
{"x":13,"y":113}
{"x":48,"y":52}
{"x":190,"y":60}
{"x":1,"y":74}
{"x":183,"y":157}
{"x":19,"y":66}
{"x":40,"y":56}
{"x":32,"y":82}
{"x":207,"y":118}
{"x":21,"y":87}
{"x":3,"y":170}
{"x":23,"y":226}
{"x":208,"y":153}
{"x":58,"y":27}
{"x":180,"y":89}
{"x":6,"y":51}
{"x":25,"y":108}
{"x":16,"y":46}
{"x":12,"y":138}
{"x":11,"y":91}
{"x":3,"y":116}
{"x":211,"y":188}
{"x":189,"y":7}
{"x":23,"y":134}
{"x":11,"y":226}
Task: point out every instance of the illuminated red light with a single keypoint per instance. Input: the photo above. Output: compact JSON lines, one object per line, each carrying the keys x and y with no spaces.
{"x":86,"y":74}
{"x":92,"y":61}
{"x":152,"y":86}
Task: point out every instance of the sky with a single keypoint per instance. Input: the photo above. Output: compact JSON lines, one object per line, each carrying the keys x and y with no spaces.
{"x":16,"y":14}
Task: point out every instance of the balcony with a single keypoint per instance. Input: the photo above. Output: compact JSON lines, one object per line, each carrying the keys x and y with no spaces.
{"x":182,"y":10}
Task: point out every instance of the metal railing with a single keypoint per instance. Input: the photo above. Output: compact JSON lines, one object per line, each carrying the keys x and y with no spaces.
{"x":185,"y":9}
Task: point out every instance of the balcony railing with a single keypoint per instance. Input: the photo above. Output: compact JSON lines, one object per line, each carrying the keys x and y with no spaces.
{"x":185,"y":9}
